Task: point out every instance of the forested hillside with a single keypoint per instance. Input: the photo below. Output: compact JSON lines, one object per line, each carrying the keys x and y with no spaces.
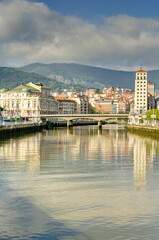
{"x":10,"y":77}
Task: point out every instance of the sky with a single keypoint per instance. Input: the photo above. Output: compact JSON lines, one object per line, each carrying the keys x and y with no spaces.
{"x":105,"y":33}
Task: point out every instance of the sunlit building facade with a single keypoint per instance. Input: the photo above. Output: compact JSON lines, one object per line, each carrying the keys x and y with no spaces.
{"x":141,"y":91}
{"x":30,"y":100}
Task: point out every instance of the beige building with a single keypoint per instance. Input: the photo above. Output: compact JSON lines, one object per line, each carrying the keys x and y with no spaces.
{"x":141,"y":91}
{"x":28,"y":100}
{"x":104,"y":105}
{"x":83,"y":106}
{"x":66,"y":106}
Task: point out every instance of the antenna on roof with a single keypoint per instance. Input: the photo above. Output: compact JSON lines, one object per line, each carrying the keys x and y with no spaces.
{"x":141,"y":67}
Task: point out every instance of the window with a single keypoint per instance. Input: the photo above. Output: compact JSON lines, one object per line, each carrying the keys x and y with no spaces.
{"x":144,"y":77}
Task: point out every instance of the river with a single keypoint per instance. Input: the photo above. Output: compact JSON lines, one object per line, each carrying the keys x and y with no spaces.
{"x":82,"y":183}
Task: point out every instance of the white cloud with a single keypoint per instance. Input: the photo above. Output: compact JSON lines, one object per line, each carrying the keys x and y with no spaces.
{"x":31,"y":32}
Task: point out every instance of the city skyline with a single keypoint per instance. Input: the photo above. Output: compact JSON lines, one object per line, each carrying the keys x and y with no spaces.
{"x":113,"y":34}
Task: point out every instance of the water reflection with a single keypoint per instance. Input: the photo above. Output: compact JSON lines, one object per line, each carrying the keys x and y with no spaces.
{"x":79,"y":184}
{"x":110,"y":145}
{"x":21,"y":153}
{"x":145,"y":150}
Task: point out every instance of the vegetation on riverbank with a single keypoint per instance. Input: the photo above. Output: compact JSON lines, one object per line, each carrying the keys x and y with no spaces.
{"x":146,"y":131}
{"x":152,"y":112}
{"x":94,"y":111}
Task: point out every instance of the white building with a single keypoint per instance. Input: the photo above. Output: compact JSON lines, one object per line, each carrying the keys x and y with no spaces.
{"x":30,"y":100}
{"x":141,"y":91}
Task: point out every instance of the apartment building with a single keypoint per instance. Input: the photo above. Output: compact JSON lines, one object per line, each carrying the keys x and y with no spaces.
{"x":141,"y":91}
{"x":66,"y":106}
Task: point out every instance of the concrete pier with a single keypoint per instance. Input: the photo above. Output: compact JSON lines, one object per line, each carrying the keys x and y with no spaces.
{"x":69,"y":123}
{"x":8,"y":131}
{"x":99,"y":124}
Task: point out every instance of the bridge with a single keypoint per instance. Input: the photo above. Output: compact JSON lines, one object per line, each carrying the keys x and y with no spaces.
{"x":97,"y":117}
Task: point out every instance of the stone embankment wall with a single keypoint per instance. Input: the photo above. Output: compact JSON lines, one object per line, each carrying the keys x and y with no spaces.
{"x":151,"y":131}
{"x":8,"y":131}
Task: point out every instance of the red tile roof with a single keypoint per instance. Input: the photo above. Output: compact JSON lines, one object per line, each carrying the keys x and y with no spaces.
{"x":64,"y":99}
{"x":141,"y":70}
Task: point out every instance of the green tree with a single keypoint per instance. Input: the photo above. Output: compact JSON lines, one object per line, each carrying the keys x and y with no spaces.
{"x":93,"y":110}
{"x":98,"y":90}
{"x":152,"y":112}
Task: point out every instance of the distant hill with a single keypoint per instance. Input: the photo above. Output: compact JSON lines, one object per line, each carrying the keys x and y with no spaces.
{"x":87,"y":75}
{"x":60,"y":76}
{"x":10,"y":77}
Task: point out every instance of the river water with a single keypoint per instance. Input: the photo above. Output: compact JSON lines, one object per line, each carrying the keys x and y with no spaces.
{"x":81,"y":183}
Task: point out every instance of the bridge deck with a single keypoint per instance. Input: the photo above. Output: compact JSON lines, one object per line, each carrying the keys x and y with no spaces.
{"x":84,"y":116}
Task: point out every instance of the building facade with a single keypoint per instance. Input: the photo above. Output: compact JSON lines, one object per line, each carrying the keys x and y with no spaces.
{"x":30,"y":100}
{"x":141,"y":91}
{"x":66,"y":106}
{"x":151,"y":95}
{"x":103,"y":106}
{"x":83,"y":106}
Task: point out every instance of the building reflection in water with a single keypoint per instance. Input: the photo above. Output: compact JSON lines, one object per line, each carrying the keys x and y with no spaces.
{"x":21,"y":153}
{"x":144,"y":152}
{"x":77,"y":177}
{"x":35,"y":152}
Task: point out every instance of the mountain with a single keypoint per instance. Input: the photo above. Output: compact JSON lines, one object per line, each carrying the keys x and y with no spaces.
{"x":10,"y":77}
{"x":60,"y":76}
{"x":88,"y":76}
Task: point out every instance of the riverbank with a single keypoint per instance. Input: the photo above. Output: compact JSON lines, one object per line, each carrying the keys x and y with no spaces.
{"x":8,"y":131}
{"x":149,"y":131}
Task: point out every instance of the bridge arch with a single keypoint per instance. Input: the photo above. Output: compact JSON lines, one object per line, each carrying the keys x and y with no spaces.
{"x":95,"y":117}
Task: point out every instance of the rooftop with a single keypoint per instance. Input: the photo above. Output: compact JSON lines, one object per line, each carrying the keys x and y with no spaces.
{"x":20,"y":88}
{"x":141,"y":70}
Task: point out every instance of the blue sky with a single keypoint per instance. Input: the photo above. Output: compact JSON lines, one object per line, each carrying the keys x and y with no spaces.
{"x":90,"y":9}
{"x":116,"y":34}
